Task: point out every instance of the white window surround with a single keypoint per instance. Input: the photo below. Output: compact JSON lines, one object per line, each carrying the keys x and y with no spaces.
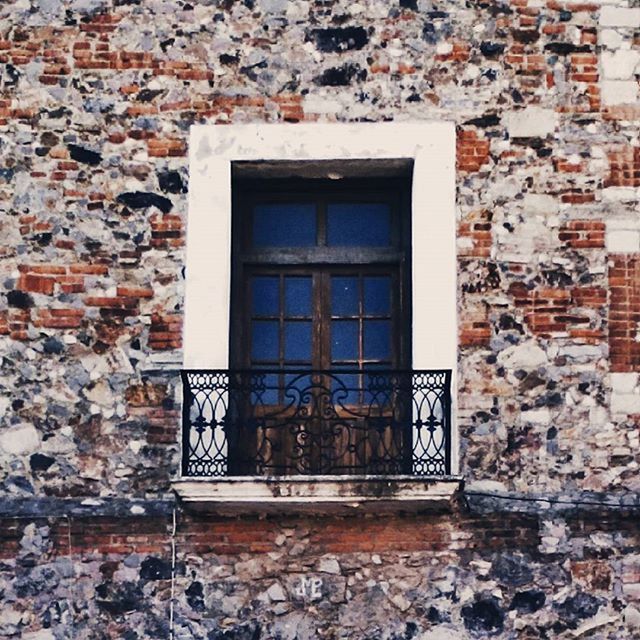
{"x":429,"y":145}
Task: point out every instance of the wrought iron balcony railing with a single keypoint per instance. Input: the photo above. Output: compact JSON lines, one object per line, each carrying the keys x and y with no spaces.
{"x":292,"y":422}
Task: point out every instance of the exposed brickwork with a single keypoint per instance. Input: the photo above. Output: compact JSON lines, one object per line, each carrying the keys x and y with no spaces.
{"x":563,"y":311}
{"x":583,"y":234}
{"x":472,"y":151}
{"x":166,"y":331}
{"x":624,"y":314}
{"x":475,"y":238}
{"x":624,"y":168}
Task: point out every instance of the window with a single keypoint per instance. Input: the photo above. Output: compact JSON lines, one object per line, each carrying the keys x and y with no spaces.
{"x":317,"y":305}
{"x":321,"y":275}
{"x":320,"y":304}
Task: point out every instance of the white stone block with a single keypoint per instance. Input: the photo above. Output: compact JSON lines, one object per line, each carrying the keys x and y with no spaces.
{"x":487,"y":486}
{"x":620,"y":65}
{"x":632,"y":591}
{"x":622,"y":241}
{"x":625,"y":403}
{"x":276,"y":593}
{"x":537,"y":416}
{"x":619,"y":91}
{"x":329,"y":565}
{"x":631,"y":617}
{"x":440,"y":634}
{"x":540,"y":203}
{"x":318,"y":104}
{"x":610,"y":38}
{"x":619,"y":194}
{"x":626,"y":223}
{"x":532,"y":122}
{"x":527,"y":355}
{"x":41,"y":634}
{"x":4,"y":406}
{"x":581,"y":353}
{"x":20,"y":440}
{"x":624,"y":382}
{"x":619,"y":17}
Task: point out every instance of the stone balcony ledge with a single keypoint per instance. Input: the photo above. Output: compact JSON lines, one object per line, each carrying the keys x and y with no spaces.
{"x":320,"y":494}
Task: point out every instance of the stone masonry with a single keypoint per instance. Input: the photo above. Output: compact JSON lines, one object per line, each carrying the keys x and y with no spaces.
{"x":96,"y":101}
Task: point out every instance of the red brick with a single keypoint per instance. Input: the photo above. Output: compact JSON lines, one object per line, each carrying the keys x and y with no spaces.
{"x":36,"y":284}
{"x":134,"y":292}
{"x":49,"y":269}
{"x":89,"y":269}
{"x":115,"y":302}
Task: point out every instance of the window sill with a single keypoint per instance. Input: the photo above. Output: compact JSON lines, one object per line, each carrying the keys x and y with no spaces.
{"x":338,"y":495}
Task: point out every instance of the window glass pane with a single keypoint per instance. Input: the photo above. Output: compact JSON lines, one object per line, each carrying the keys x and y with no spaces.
{"x":264,"y":389}
{"x":284,"y":225}
{"x":297,"y":341}
{"x":358,"y":225}
{"x":345,"y":388}
{"x":264,"y":340}
{"x":297,"y":296}
{"x":344,"y":340}
{"x":266,"y":301}
{"x":344,"y":296}
{"x":377,"y":295}
{"x":377,"y":339}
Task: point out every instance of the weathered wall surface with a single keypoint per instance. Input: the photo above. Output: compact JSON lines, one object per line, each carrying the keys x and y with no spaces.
{"x":96,"y":100}
{"x":508,"y":575}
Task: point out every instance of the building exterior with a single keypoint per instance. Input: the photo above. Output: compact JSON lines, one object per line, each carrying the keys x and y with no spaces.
{"x":143,"y":146}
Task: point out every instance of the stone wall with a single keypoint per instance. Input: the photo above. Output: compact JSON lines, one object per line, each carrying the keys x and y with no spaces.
{"x":96,"y":101}
{"x":438,"y":577}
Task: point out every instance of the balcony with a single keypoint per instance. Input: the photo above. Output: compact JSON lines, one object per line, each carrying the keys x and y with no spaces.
{"x":317,"y":436}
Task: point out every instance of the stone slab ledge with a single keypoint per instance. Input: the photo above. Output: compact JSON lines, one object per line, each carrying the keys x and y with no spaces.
{"x":320,"y":494}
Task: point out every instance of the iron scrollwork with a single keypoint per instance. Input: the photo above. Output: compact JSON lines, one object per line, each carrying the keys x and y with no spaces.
{"x":301,"y":422}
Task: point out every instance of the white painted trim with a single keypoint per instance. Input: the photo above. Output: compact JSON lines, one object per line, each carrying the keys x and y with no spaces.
{"x":320,"y":494}
{"x":212,"y":150}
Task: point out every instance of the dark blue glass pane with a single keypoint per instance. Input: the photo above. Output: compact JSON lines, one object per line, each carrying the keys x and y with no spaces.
{"x":266,"y":301}
{"x":284,"y":225}
{"x":265,"y":389}
{"x":344,"y":340}
{"x":264,"y":340}
{"x":344,"y":296}
{"x":377,"y":295}
{"x":358,"y":225}
{"x":345,"y":389}
{"x":297,"y":341}
{"x":377,"y":339}
{"x":297,"y":296}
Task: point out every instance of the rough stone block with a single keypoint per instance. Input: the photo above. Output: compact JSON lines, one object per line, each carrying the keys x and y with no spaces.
{"x":540,"y":203}
{"x":625,"y":403}
{"x":619,"y":17}
{"x":622,"y":241}
{"x":621,"y":64}
{"x":20,"y":440}
{"x":619,"y":91}
{"x":624,"y":382}
{"x":525,"y":356}
{"x":531,"y":122}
